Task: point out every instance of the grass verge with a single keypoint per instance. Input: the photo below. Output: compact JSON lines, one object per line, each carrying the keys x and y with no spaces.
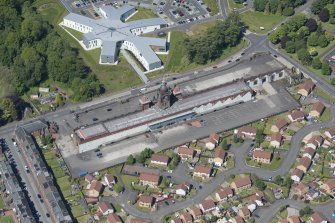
{"x":255,"y":20}
{"x":142,"y":13}
{"x":213,"y":5}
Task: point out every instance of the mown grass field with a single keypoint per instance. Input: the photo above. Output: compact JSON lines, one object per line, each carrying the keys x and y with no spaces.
{"x":142,"y":13}
{"x":255,"y":20}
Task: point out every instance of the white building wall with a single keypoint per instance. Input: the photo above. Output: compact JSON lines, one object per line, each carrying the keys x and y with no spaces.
{"x":142,"y":30}
{"x":77,"y":26}
{"x":131,"y":47}
{"x":94,"y":44}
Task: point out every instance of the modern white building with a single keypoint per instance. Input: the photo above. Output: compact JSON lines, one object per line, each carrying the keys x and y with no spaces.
{"x":112,"y":33}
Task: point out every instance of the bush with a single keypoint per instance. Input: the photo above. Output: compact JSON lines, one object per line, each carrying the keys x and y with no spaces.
{"x":288,"y":11}
{"x":322,"y":41}
{"x":313,"y":53}
{"x":326,"y":69}
{"x":316,"y":63}
{"x":332,"y":21}
{"x":332,"y":81}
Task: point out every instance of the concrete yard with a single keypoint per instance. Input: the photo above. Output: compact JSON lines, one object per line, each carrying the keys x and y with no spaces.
{"x":222,"y":120}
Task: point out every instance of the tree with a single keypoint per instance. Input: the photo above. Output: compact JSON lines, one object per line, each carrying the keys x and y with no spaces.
{"x":9,"y":112}
{"x":283,"y":41}
{"x":332,"y":81}
{"x":316,"y":63}
{"x":331,"y":9}
{"x":59,"y":100}
{"x":322,"y":41}
{"x":290,"y":47}
{"x":306,"y":211}
{"x":224,"y":144}
{"x":304,"y":57}
{"x":267,"y":9}
{"x":118,"y":188}
{"x":259,"y":136}
{"x":259,"y":5}
{"x":279,"y":11}
{"x":332,"y":21}
{"x":278,"y":180}
{"x":130,"y":160}
{"x":313,"y":39}
{"x":311,"y":24}
{"x":326,"y":69}
{"x":257,"y":182}
{"x":324,"y":15}
{"x":288,"y":11}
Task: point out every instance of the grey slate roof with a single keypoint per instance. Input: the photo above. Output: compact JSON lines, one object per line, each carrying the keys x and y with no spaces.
{"x":112,"y":29}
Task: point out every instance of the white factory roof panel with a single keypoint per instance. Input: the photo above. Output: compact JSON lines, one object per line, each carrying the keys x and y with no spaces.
{"x":185,"y":104}
{"x":91,"y":131}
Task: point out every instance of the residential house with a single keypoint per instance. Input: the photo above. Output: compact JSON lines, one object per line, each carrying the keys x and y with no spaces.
{"x":296,"y":116}
{"x":113,"y":218}
{"x":317,"y":109}
{"x":237,"y":219}
{"x":151,"y":180}
{"x":219,"y":157}
{"x":186,"y":217}
{"x":244,"y":212}
{"x":315,"y":141}
{"x":161,"y":160}
{"x":137,"y":220}
{"x":276,"y":139}
{"x":279,"y":125}
{"x":95,"y":188}
{"x":185,"y":152}
{"x":262,"y":156}
{"x":212,"y":141}
{"x":89,"y":178}
{"x":306,"y":88}
{"x":242,"y":183}
{"x":299,"y":189}
{"x":224,"y":194}
{"x":258,"y":198}
{"x":196,"y":213}
{"x":293,"y":219}
{"x":246,"y":131}
{"x":330,"y":133}
{"x":297,"y":175}
{"x":317,"y":217}
{"x":105,"y":208}
{"x":35,"y":95}
{"x":207,"y":205}
{"x":202,"y":171}
{"x":304,"y":164}
{"x":176,"y":220}
{"x":182,"y":189}
{"x":329,"y":186}
{"x":309,"y":152}
{"x":146,"y":201}
{"x":110,"y":180}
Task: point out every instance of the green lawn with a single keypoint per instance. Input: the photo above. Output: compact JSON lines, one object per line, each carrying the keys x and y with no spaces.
{"x":275,"y":164}
{"x":114,"y":78}
{"x":128,"y":179}
{"x":142,"y":13}
{"x":7,"y":219}
{"x":83,"y":219}
{"x":75,"y":33}
{"x":2,"y":204}
{"x":199,"y":29}
{"x":325,"y":115}
{"x":255,"y":20}
{"x":232,"y":4}
{"x":77,"y":211}
{"x":320,"y":93}
{"x":177,"y":61}
{"x":213,"y":5}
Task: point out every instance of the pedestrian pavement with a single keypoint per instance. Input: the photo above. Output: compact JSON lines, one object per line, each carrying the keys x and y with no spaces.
{"x":137,"y":69}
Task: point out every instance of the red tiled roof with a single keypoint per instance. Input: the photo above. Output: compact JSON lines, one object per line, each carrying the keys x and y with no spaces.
{"x":294,"y":219}
{"x":220,"y":153}
{"x":276,"y":136}
{"x":96,"y":185}
{"x":332,"y":131}
{"x":262,"y":154}
{"x":160,"y":158}
{"x":308,"y":85}
{"x":110,"y":178}
{"x":330,"y":183}
{"x":149,"y":177}
{"x":305,"y":161}
{"x":224,"y":192}
{"x":297,"y":172}
{"x":113,"y":218}
{"x":297,"y":115}
{"x":243,"y":181}
{"x":318,"y":107}
{"x":208,"y":204}
{"x":281,"y":123}
{"x":187,"y":217}
{"x":104,"y":206}
{"x":146,"y":199}
{"x":317,"y":217}
{"x":202,"y":169}
{"x":247,"y":129}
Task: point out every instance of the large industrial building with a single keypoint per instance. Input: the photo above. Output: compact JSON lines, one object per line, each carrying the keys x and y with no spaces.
{"x":112,"y":33}
{"x":165,"y":109}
